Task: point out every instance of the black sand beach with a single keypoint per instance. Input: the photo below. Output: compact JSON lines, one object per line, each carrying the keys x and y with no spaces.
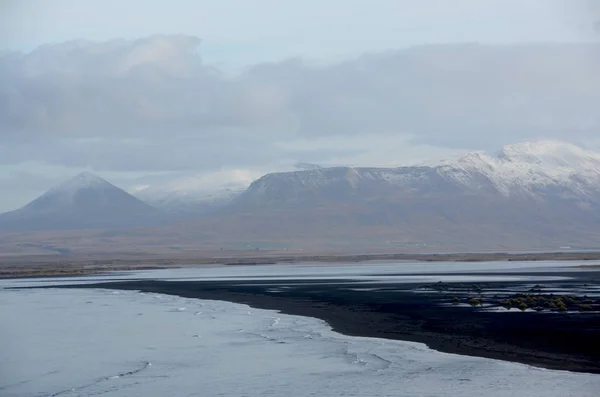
{"x":441,"y":315}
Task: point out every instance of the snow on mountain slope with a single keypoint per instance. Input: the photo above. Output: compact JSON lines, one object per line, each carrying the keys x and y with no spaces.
{"x":189,"y":201}
{"x":193,"y":193}
{"x":346,"y":175}
{"x":84,"y":201}
{"x":530,"y":168}
{"x":68,"y":190}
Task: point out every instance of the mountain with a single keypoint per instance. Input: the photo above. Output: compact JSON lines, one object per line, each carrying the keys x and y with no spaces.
{"x":85,"y":201}
{"x":535,"y":194}
{"x":191,"y":195}
{"x":532,"y":168}
{"x":526,"y":170}
{"x":190,"y":203}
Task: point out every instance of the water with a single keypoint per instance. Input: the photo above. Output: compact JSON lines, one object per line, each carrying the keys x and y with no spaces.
{"x":98,"y":342}
{"x":367,"y":271}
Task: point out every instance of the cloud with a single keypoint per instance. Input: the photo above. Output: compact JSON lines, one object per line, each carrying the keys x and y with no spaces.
{"x":153,"y":105}
{"x":585,"y":14}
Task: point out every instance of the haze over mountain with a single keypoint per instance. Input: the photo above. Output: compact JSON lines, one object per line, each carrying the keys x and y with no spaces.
{"x":191,"y":138}
{"x":536,"y":194}
{"x":153,"y":105}
{"x":543,"y":194}
{"x":83,"y":202}
{"x":192,"y":194}
{"x":541,"y":169}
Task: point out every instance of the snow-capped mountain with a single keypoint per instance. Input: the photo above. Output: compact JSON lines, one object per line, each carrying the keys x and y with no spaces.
{"x":84,"y":201}
{"x":536,"y":194}
{"x":532,"y":168}
{"x":192,"y":194}
{"x":189,"y":202}
{"x":530,"y":195}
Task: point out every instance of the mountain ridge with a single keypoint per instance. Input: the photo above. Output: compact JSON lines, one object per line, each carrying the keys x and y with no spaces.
{"x":519,"y":165}
{"x":515,"y":169}
{"x":192,"y":195}
{"x":527,"y":194}
{"x":536,"y":194}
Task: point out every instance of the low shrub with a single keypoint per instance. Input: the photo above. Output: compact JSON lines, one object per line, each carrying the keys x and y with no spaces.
{"x":475,"y":302}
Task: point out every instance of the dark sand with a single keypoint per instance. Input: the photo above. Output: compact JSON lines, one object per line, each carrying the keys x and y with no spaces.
{"x":554,"y":340}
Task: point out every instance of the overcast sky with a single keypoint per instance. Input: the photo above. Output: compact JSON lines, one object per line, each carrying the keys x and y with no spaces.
{"x":238,"y":88}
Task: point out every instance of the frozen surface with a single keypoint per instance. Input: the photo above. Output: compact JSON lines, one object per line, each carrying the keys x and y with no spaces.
{"x":95,"y":342}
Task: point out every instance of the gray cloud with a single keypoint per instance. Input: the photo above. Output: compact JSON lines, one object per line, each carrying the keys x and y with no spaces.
{"x":586,"y":14}
{"x":152,"y":104}
{"x":593,"y":11}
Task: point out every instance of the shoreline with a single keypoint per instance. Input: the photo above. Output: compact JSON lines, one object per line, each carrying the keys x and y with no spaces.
{"x":547,"y":340}
{"x":72,"y":265}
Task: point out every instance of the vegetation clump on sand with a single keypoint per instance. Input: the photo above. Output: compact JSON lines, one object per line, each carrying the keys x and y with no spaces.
{"x":532,"y":298}
{"x":556,"y":303}
{"x":475,"y":302}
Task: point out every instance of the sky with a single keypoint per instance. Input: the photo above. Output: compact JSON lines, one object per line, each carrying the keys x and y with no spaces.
{"x":226,"y":91}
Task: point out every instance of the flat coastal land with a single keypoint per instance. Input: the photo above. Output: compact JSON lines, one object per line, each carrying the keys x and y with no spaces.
{"x":553,"y":323}
{"x":75,"y":265}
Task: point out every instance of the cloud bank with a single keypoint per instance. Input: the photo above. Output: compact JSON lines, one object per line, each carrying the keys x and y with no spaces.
{"x":153,"y":105}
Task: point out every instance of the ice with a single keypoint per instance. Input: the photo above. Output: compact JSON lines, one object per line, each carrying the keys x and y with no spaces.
{"x":92,"y":342}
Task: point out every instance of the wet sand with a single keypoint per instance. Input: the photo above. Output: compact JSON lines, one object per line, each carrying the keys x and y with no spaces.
{"x":425,"y":313}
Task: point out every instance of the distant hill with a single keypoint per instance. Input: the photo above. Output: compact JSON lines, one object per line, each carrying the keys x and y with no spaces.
{"x":190,"y":195}
{"x":83,"y":202}
{"x":533,"y":195}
